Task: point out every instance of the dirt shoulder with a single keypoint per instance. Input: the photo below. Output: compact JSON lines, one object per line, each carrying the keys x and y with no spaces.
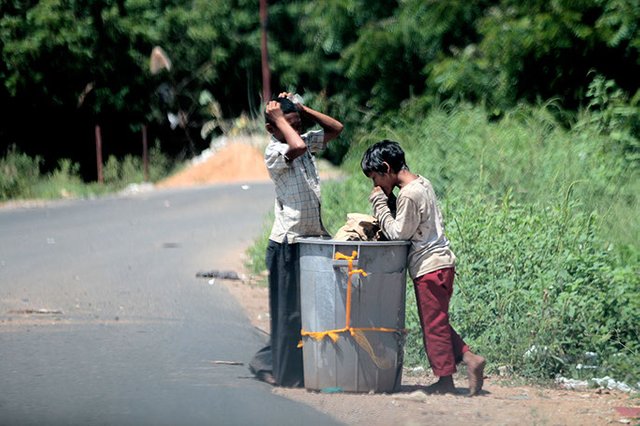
{"x":501,"y":401}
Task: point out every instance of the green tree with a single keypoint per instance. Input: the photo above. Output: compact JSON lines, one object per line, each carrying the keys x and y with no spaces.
{"x":81,"y":61}
{"x":541,"y":50}
{"x":86,"y":62}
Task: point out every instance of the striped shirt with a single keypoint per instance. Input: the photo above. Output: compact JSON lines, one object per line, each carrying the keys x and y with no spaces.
{"x":297,"y":204}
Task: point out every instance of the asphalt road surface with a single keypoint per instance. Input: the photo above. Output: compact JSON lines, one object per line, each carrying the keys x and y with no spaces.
{"x":104,"y":322}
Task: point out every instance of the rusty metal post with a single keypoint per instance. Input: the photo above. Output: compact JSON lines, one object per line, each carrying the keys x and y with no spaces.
{"x":145,"y":153}
{"x":266,"y":74}
{"x":99,"y":154}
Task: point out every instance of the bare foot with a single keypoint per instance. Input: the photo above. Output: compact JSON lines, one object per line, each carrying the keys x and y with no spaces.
{"x":475,"y":371}
{"x":443,"y":386}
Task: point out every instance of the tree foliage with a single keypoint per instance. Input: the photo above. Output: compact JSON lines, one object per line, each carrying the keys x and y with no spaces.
{"x":72,"y":63}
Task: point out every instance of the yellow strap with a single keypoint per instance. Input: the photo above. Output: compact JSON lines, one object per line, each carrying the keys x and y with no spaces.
{"x":334,"y":335}
{"x":357,"y":332}
{"x":380,"y":362}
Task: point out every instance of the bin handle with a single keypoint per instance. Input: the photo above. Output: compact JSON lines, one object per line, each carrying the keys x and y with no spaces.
{"x":342,"y":260}
{"x":343,"y":263}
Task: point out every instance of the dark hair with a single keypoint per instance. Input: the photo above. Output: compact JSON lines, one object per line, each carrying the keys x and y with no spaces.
{"x":286,"y":106}
{"x":385,"y":151}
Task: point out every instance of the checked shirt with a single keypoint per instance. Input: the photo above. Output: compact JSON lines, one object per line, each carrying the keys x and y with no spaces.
{"x":297,"y":204}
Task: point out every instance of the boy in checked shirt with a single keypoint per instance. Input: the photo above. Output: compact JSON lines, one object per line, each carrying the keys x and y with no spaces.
{"x":291,"y":164}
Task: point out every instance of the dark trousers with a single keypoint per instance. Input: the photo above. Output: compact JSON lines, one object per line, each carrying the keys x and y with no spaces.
{"x":443,"y":345}
{"x":282,"y":357}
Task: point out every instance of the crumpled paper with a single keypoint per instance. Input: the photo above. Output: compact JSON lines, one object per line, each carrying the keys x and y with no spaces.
{"x":360,"y":227}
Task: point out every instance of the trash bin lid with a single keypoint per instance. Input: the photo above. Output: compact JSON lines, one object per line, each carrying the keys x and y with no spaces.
{"x":328,"y":241}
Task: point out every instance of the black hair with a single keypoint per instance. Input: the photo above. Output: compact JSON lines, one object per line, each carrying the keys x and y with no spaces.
{"x":385,"y":151}
{"x":286,"y":106}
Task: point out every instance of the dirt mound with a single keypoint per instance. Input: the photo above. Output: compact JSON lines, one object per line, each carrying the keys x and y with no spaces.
{"x":234,"y":162}
{"x":237,"y":160}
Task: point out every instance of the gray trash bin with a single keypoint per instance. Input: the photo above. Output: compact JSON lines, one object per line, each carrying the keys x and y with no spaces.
{"x":368,"y":349}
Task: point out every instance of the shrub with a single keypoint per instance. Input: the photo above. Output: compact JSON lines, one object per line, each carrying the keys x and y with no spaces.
{"x":18,"y":174}
{"x":64,"y":182}
{"x":537,"y":289}
{"x":119,"y":173}
{"x":160,"y":165}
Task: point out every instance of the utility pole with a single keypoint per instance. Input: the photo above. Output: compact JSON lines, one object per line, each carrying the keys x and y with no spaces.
{"x":145,"y":153}
{"x":266,"y":74}
{"x":99,"y":154}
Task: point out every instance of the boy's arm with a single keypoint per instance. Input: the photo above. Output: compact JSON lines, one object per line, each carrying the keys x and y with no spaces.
{"x":405,"y":223}
{"x":332,"y":127}
{"x":297,"y":147}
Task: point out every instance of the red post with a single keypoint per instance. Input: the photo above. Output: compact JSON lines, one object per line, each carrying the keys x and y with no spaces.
{"x":145,"y":153}
{"x":266,"y":74}
{"x":99,"y":153}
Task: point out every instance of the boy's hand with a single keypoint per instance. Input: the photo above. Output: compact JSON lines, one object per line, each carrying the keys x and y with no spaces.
{"x":332,"y":127}
{"x":376,"y":191}
{"x":273,"y":111}
{"x":295,"y":98}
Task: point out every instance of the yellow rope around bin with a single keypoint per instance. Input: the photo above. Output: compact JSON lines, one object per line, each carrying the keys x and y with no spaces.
{"x":356,"y":332}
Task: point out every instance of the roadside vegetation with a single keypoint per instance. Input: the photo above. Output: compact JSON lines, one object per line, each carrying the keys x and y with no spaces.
{"x":22,"y":177}
{"x":541,"y":217}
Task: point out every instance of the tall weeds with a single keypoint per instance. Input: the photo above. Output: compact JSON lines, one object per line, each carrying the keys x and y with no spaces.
{"x":542,"y":220}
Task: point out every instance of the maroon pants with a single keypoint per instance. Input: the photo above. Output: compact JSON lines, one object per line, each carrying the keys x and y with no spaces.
{"x":443,"y":345}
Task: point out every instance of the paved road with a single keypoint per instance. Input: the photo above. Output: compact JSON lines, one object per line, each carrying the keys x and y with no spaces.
{"x":130,"y":333}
